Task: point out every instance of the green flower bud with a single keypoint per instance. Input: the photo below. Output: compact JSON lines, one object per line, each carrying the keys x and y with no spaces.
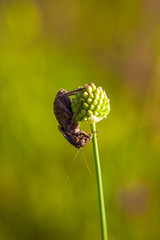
{"x":91,"y":104}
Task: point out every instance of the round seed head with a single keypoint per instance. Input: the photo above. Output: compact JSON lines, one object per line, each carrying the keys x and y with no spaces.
{"x":91,"y":104}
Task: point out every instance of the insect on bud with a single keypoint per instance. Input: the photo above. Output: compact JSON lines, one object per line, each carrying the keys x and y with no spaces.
{"x":91,"y":104}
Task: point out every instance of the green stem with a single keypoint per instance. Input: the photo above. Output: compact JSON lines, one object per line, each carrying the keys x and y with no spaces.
{"x":99,"y":183}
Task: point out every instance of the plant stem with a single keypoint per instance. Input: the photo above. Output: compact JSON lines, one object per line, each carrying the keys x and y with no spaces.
{"x":99,"y":183}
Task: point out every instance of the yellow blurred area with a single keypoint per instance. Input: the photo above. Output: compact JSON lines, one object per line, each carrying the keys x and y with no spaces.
{"x":48,"y":45}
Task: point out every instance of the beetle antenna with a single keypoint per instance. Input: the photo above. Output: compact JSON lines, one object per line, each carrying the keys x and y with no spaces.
{"x":85,"y":161}
{"x":72,"y":164}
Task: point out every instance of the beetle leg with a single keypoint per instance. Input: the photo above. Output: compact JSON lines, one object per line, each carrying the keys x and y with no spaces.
{"x":81,"y":132}
{"x":74,"y":116}
{"x":74,"y":91}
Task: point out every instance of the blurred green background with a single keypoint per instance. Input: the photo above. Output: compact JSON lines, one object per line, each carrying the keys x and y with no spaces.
{"x":46,"y":45}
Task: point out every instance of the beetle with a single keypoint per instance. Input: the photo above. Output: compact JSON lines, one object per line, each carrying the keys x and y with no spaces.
{"x":68,"y":125}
